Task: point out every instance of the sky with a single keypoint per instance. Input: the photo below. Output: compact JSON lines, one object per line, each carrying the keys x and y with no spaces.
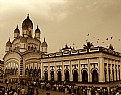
{"x":64,"y":22}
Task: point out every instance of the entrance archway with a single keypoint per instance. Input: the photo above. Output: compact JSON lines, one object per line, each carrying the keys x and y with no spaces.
{"x":52,"y":75}
{"x":59,"y":76}
{"x":84,"y":76}
{"x":94,"y":76}
{"x":75,"y":76}
{"x":67,"y":75}
{"x":46,"y":75}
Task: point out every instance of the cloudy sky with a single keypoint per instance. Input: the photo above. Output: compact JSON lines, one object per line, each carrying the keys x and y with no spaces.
{"x":64,"y":21}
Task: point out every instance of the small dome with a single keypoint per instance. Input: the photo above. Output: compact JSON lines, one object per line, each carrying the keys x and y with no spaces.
{"x":44,"y":44}
{"x":17,"y":30}
{"x":37,"y":30}
{"x":23,"y":40}
{"x":27,"y":23}
{"x":9,"y":44}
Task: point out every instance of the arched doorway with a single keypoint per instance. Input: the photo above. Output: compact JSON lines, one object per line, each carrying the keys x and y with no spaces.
{"x":75,"y":76}
{"x":84,"y":76}
{"x":59,"y":76}
{"x":105,"y":73}
{"x":46,"y":75}
{"x":67,"y":75}
{"x":94,"y":76}
{"x":52,"y":75}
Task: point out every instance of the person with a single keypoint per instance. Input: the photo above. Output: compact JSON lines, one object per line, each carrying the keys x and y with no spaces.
{"x":5,"y":93}
{"x":15,"y":93}
{"x":22,"y":91}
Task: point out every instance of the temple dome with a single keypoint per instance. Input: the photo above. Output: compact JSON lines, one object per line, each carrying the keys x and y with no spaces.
{"x":9,"y":44}
{"x":37,"y":30}
{"x":27,"y":23}
{"x":44,"y":44}
{"x":17,"y":30}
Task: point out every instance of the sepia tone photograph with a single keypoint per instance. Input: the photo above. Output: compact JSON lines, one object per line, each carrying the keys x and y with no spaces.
{"x":60,"y":47}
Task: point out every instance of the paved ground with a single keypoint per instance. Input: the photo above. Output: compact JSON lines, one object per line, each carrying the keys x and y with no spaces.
{"x":41,"y":91}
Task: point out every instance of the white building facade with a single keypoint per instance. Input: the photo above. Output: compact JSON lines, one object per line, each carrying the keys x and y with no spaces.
{"x":27,"y":58}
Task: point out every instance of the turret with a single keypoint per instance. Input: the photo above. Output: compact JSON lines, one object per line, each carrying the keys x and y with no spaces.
{"x":23,"y":44}
{"x":44,"y":46}
{"x":16,"y":32}
{"x":27,"y":27}
{"x":8,"y":46}
{"x":37,"y":33}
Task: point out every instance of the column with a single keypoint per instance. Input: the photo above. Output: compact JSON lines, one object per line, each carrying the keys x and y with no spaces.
{"x":101,"y":70}
{"x":89,"y":71}
{"x":111,"y":74}
{"x":80,"y":77}
{"x":42,"y":73}
{"x":107,"y":71}
{"x":55,"y":73}
{"x":114,"y":71}
{"x":49,"y":71}
{"x":63,"y":75}
{"x":71,"y":75}
{"x":117,"y":71}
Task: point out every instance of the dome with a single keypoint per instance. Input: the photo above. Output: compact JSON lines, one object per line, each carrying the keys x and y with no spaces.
{"x":23,"y":40}
{"x":27,"y":23}
{"x":8,"y":44}
{"x":17,"y":30}
{"x":44,"y":44}
{"x":37,"y":30}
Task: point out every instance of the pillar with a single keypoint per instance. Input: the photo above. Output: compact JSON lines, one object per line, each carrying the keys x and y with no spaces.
{"x":63,"y":75}
{"x":80,"y":73}
{"x":101,"y":70}
{"x":55,"y":73}
{"x":89,"y":71}
{"x":71,"y":75}
{"x":42,"y":72}
{"x":49,"y":71}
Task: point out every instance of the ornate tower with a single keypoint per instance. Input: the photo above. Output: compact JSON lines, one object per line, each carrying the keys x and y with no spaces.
{"x":44,"y":46}
{"x":16,"y":32}
{"x":8,"y":46}
{"x":27,"y":27}
{"x":37,"y":33}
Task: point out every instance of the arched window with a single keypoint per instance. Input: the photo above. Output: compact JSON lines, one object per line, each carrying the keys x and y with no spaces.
{"x":105,"y":73}
{"x":113,"y":74}
{"x":46,"y":75}
{"x":67,"y":75}
{"x":84,"y":76}
{"x":75,"y":76}
{"x":52,"y":75}
{"x":109,"y":74}
{"x":59,"y":76}
{"x":94,"y":76}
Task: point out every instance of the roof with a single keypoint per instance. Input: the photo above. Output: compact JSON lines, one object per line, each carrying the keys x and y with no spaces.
{"x":8,"y":44}
{"x":27,"y":23}
{"x":37,"y":30}
{"x":44,"y":44}
{"x":17,"y":30}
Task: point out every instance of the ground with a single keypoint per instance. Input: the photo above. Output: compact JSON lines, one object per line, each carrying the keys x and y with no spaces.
{"x":41,"y":91}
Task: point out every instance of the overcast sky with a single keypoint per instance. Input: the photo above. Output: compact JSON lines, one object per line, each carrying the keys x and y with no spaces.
{"x":64,"y":21}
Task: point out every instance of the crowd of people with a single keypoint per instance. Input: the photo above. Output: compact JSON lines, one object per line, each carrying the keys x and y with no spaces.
{"x":33,"y":89}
